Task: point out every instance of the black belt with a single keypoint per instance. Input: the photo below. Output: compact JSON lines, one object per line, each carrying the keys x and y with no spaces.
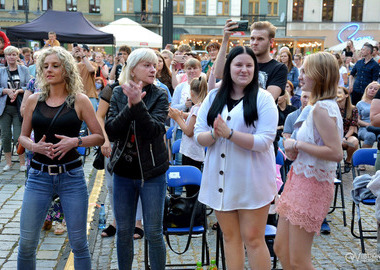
{"x":57,"y":168}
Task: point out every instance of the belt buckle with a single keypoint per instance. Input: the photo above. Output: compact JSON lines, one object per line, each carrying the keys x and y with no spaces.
{"x":54,"y":166}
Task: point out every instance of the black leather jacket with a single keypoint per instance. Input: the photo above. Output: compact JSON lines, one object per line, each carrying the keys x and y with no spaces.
{"x":148,"y":119}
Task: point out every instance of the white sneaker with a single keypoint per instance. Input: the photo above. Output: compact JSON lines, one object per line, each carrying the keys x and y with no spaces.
{"x":6,"y":168}
{"x":23,"y":168}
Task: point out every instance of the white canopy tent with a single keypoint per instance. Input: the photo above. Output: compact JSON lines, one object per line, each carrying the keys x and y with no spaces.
{"x":128,"y":32}
{"x":358,"y":44}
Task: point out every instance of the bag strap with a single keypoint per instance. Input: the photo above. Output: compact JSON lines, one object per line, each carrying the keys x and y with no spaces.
{"x":55,"y":116}
{"x":190,"y":229}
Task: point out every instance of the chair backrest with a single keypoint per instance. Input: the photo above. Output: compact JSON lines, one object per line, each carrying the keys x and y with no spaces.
{"x":181,"y":175}
{"x":279,"y":158}
{"x":176,"y":146}
{"x":364,"y":156}
{"x":169,"y":133}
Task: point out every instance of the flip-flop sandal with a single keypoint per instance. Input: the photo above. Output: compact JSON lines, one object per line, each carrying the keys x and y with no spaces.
{"x":139,"y":232}
{"x":110,"y":231}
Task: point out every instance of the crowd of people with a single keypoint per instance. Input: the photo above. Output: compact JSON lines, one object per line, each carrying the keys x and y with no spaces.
{"x":242,"y":106}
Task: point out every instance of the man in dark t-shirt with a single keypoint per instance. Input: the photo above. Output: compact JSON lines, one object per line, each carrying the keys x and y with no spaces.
{"x":272,"y":74}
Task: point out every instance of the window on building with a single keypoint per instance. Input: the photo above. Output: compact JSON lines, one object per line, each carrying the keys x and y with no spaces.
{"x":298,"y":10}
{"x":178,"y":6}
{"x":357,"y":10}
{"x":223,"y":7}
{"x":2,"y":4}
{"x":147,"y":5}
{"x":327,"y":10}
{"x":272,"y":7}
{"x":254,"y":7}
{"x":21,"y":4}
{"x":47,"y":4}
{"x":127,"y":6}
{"x":200,"y":7}
{"x":71,"y":5}
{"x":94,"y":6}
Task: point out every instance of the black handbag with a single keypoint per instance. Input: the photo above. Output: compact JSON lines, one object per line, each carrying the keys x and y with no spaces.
{"x":183,"y":212}
{"x":178,"y":211}
{"x":99,"y":159}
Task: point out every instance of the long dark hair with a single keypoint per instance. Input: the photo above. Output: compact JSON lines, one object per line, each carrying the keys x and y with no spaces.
{"x":250,"y":91}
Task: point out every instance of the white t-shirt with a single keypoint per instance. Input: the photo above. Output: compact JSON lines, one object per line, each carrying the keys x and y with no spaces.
{"x":342,"y":70}
{"x":189,"y":146}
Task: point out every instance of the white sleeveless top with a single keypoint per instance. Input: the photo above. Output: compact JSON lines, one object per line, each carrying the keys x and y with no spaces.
{"x":311,"y":166}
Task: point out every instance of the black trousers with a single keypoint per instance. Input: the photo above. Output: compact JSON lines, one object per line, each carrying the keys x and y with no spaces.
{"x":191,"y":189}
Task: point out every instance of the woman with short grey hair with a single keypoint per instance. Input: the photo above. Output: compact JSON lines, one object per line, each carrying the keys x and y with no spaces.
{"x":13,"y":81}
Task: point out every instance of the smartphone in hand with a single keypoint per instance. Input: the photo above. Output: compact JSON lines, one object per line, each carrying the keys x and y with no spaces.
{"x":242,"y":25}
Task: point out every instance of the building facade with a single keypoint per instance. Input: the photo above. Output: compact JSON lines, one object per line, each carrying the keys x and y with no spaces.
{"x":300,"y":23}
{"x":336,"y":20}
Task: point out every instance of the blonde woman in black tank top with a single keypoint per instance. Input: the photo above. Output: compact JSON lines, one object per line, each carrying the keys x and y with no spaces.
{"x":56,"y":167}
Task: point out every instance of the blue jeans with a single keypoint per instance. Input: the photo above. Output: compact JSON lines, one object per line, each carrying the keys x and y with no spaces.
{"x":39,"y":190}
{"x":126,"y":193}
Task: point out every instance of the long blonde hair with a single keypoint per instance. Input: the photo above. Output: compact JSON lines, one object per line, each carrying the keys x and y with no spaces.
{"x":73,"y":80}
{"x":364,"y":97}
{"x":199,"y":86}
{"x":323,"y":69}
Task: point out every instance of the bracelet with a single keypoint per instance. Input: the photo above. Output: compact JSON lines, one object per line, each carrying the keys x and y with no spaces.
{"x":231,"y":132}
{"x":295,"y":145}
{"x":212,"y":134}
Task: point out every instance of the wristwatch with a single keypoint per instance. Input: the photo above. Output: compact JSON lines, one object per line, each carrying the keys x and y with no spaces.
{"x":80,"y":142}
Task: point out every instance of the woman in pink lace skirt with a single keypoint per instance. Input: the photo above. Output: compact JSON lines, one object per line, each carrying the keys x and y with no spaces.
{"x":309,"y":189}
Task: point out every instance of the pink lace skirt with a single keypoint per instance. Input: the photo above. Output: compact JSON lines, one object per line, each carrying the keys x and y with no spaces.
{"x":305,"y":201}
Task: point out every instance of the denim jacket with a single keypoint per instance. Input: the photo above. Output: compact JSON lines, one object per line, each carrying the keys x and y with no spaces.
{"x":293,"y":77}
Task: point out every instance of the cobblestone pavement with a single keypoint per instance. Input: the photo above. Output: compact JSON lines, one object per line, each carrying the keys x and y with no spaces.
{"x":339,"y":250}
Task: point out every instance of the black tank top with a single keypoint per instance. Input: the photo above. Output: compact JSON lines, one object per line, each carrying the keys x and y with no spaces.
{"x":67,"y":124}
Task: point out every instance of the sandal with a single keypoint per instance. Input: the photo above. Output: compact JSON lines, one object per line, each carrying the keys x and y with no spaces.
{"x":361,"y":167}
{"x":109,"y":231}
{"x":347,"y":166}
{"x":139,"y":233}
{"x":59,"y":228}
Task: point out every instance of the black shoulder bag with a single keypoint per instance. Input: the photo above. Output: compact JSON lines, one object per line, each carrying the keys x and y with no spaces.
{"x":183,"y":212}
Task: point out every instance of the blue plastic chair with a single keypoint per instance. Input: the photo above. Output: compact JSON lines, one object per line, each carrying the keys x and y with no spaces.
{"x":179,"y":176}
{"x":83,"y":152}
{"x":175,"y":150}
{"x":364,"y":156}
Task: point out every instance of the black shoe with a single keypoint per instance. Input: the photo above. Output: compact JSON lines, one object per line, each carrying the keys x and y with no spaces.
{"x":347,"y":167}
{"x":325,"y":228}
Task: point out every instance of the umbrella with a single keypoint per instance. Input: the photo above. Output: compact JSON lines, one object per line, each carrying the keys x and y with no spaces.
{"x":358,"y":44}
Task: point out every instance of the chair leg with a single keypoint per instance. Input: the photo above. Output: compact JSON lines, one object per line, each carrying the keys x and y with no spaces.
{"x":343,"y":205}
{"x":361,"y":234}
{"x":335,"y":199}
{"x":353,"y":221}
